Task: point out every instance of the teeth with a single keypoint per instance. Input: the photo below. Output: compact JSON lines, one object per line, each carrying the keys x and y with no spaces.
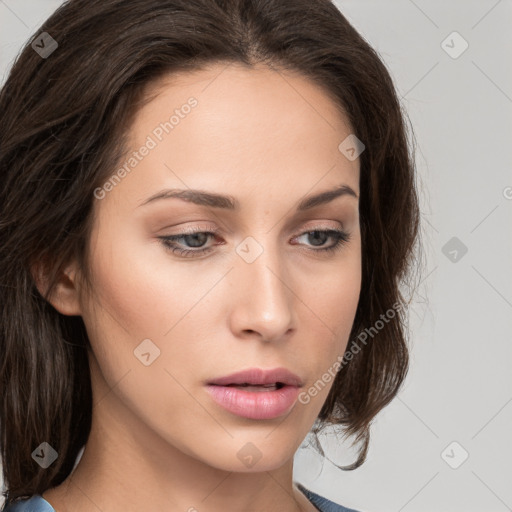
{"x":252,"y":387}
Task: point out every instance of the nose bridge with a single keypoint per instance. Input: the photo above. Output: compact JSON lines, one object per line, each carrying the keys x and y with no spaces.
{"x":264,"y":301}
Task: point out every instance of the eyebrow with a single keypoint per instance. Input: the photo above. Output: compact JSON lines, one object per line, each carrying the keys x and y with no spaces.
{"x":203,"y":198}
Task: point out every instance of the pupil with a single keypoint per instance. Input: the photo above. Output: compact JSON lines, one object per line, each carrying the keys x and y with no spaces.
{"x":319,"y":234}
{"x":194,"y":237}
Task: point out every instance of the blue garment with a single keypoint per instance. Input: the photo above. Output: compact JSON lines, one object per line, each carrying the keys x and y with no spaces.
{"x":35,"y":504}
{"x":321,"y":503}
{"x":38,"y":504}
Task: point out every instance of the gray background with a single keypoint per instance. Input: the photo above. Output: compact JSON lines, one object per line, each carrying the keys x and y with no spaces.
{"x":459,"y":385}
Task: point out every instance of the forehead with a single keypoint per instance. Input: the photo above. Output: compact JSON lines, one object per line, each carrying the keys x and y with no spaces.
{"x":250,"y":127}
{"x":234,"y":100}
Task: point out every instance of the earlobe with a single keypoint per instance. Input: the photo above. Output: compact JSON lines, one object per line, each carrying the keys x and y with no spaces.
{"x":64,"y":297}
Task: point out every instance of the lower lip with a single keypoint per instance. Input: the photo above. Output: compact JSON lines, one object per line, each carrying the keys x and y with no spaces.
{"x":256,"y":405}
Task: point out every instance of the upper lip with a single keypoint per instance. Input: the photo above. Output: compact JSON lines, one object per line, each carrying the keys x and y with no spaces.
{"x":259,"y":377}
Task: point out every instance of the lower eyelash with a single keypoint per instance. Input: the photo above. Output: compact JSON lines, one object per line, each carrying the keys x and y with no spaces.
{"x":340,"y":237}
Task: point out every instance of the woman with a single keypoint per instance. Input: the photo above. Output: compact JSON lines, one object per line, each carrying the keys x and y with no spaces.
{"x":207,"y":210}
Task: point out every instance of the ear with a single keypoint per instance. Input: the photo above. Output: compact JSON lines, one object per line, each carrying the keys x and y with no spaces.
{"x":65,"y":295}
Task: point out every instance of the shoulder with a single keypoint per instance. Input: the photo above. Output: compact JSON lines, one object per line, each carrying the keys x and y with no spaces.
{"x":321,"y":503}
{"x":34,"y":504}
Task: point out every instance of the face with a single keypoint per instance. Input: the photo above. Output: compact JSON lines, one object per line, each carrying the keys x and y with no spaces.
{"x":190,"y":289}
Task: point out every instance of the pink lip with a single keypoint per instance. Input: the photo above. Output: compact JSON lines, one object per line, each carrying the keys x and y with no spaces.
{"x":256,"y":405}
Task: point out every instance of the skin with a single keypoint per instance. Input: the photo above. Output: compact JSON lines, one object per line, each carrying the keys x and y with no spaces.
{"x":268,"y":139}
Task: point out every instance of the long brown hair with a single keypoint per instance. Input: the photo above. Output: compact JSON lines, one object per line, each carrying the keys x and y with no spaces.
{"x":64,"y":118}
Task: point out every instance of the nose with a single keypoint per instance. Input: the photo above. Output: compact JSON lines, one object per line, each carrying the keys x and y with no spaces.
{"x":262,"y":302}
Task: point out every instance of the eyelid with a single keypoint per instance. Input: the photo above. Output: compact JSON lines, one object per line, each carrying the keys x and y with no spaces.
{"x":197,"y":229}
{"x":216,"y":230}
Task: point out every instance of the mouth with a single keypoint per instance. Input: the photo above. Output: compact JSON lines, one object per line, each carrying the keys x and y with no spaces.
{"x":258,"y":377}
{"x":256,"y":393}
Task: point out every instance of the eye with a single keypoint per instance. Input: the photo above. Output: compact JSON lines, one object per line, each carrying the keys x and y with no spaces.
{"x":196,"y":239}
{"x":320,"y":235}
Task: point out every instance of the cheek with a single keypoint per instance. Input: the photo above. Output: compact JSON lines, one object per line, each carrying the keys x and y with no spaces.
{"x":141,"y":292}
{"x":134,"y":302}
{"x":334,"y":302}
{"x":332,"y":297}
{"x":141,"y":286}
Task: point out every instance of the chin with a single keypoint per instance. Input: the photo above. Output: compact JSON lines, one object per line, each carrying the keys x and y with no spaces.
{"x":248,"y":456}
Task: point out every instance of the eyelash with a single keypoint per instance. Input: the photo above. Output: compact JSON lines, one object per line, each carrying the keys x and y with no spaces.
{"x":340,"y":237}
